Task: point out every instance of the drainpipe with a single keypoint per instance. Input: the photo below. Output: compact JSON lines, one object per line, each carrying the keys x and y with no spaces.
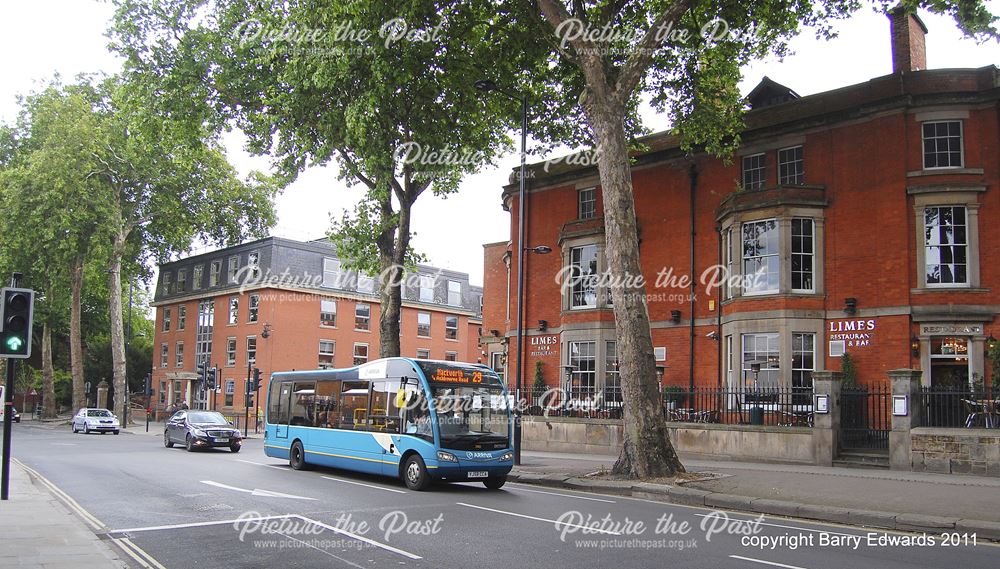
{"x":693,"y":177}
{"x":718,"y":315}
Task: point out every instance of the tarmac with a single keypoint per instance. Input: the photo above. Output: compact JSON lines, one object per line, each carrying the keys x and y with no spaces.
{"x":44,"y":531}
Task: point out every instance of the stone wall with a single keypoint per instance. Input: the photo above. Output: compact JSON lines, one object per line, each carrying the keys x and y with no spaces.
{"x":710,"y":441}
{"x":956,"y":451}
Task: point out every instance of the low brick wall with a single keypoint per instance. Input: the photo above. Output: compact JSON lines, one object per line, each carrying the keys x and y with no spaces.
{"x":955,"y":451}
{"x":705,"y":440}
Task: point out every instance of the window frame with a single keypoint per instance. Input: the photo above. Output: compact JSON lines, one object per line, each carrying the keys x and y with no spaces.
{"x":358,"y":318}
{"x":796,"y":164}
{"x":451,"y":332}
{"x":423,"y":354}
{"x":458,"y":300}
{"x":234,"y":268}
{"x":182,"y":280}
{"x":331,"y":354}
{"x":181,"y":317}
{"x":164,"y":355}
{"x":424,"y":286}
{"x":179,"y":354}
{"x":214,"y":272}
{"x":253,"y":309}
{"x":756,"y":169}
{"x":234,"y":310}
{"x":940,"y":246}
{"x":746,"y":372}
{"x":811,"y":255}
{"x":776,"y":255}
{"x":924,"y":139}
{"x":323,"y":323}
{"x":357,"y":357}
{"x":231,"y":351}
{"x":165,"y":324}
{"x":430,"y":319}
{"x":579,"y":287}
{"x":251,"y":360}
{"x":586,"y":201}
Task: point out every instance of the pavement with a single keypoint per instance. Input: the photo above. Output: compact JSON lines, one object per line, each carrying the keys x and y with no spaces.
{"x":910,"y":501}
{"x":41,"y":531}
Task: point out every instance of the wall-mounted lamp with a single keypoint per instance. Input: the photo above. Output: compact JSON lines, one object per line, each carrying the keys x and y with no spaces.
{"x":267,"y":331}
{"x":660,"y":370}
{"x":495,"y":333}
{"x":675,"y":316}
{"x":850,"y":305}
{"x":915,"y":346}
{"x":543,"y":325}
{"x":541,"y":249}
{"x":991,"y":343}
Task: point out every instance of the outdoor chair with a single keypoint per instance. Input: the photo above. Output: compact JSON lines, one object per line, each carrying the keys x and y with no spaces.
{"x":976,"y":413}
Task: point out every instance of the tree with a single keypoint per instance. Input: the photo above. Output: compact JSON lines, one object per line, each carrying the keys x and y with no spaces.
{"x":608,"y":53}
{"x":384,"y":89}
{"x":55,"y":212}
{"x":166,"y":182}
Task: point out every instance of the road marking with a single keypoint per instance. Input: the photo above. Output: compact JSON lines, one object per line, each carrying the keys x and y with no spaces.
{"x":566,"y":495}
{"x":772,"y":563}
{"x":256,"y":491}
{"x":64,"y":497}
{"x":137,"y":553}
{"x":278,"y":466}
{"x":323,"y":551}
{"x":199,"y":524}
{"x":367,"y":485}
{"x":784,"y":526}
{"x":556,"y":522}
{"x":361,"y":538}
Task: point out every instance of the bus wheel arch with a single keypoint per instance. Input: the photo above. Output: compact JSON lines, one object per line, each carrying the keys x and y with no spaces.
{"x":297,"y":455}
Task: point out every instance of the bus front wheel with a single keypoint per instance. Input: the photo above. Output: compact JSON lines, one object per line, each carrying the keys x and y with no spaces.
{"x":495,"y":482}
{"x":415,"y":473}
{"x":297,"y":456}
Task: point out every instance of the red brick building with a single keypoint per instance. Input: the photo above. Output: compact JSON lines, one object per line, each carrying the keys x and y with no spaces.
{"x":279,"y":305}
{"x":857,"y":220}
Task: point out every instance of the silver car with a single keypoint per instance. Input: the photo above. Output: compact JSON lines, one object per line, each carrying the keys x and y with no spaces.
{"x":92,"y":420}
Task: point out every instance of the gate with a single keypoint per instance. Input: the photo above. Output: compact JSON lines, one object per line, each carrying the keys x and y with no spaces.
{"x":865,"y":420}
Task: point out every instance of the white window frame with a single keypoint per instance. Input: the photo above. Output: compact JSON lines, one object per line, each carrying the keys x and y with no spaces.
{"x":332,"y":273}
{"x":366,"y":318}
{"x":451,"y":332}
{"x":324,"y":305}
{"x":455,"y":300}
{"x":196,"y":275}
{"x":580,"y":286}
{"x":214,"y":270}
{"x":234,"y":268}
{"x":766,"y":369}
{"x":795,"y":163}
{"x":164,"y":354}
{"x":179,"y":354}
{"x":253,"y":262}
{"x":802,"y":369}
{"x":165,"y":325}
{"x":744,"y":258}
{"x":358,"y":360}
{"x":451,"y":356}
{"x":181,"y":280}
{"x":965,"y":245}
{"x":331,"y":353}
{"x":181,"y":317}
{"x":426,"y":286}
{"x":231,"y":351}
{"x":251,"y":340}
{"x":961,"y":143}
{"x":234,"y":310}
{"x":587,"y":203}
{"x":253,"y":309}
{"x":749,"y":166}
{"x":810,"y":255}
{"x":423,"y":354}
{"x":429,"y":321}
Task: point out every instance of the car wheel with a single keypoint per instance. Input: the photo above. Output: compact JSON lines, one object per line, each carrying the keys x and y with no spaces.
{"x":189,"y":443}
{"x":86,"y":429}
{"x":495,"y":482}
{"x":234,"y":448}
{"x":116,"y":432}
{"x":297,"y":457}
{"x":415,"y":473}
{"x":74,"y":428}
{"x":167,"y":442}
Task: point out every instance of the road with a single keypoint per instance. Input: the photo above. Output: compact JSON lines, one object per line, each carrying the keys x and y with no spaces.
{"x":180,"y":509}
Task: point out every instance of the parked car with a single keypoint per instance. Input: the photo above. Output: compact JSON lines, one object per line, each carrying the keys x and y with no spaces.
{"x":201,"y":429}
{"x":93,"y":420}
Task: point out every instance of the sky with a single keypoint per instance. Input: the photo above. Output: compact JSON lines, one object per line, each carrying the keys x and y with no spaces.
{"x":40,"y":38}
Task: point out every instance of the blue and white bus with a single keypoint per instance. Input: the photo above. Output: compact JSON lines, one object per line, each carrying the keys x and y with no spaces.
{"x":420,"y":420}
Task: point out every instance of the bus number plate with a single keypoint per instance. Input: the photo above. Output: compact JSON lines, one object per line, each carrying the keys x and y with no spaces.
{"x":479,"y":474}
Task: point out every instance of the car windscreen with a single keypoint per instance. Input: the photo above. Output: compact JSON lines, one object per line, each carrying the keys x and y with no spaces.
{"x":207,"y":418}
{"x":98,"y":413}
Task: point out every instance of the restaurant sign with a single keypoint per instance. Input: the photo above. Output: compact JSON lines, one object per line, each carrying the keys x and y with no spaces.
{"x":856,"y":333}
{"x":543,"y":346}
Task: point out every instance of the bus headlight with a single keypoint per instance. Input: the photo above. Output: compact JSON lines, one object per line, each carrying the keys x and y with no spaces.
{"x":506,"y":456}
{"x":446,"y":456}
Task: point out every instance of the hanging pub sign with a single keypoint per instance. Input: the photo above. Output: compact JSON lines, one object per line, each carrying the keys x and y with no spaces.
{"x":543,"y":346}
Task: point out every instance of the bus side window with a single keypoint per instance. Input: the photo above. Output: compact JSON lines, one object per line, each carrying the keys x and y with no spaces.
{"x":416,"y":415}
{"x":325,"y":412}
{"x":354,"y":405}
{"x":384,"y":415}
{"x":274,"y":402}
{"x":280,"y":404}
{"x":302,"y":404}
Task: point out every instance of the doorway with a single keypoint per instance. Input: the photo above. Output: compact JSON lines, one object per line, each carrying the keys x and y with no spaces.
{"x":949,"y":362}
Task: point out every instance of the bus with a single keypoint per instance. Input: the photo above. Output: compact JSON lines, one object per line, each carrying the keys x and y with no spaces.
{"x":419,"y":420}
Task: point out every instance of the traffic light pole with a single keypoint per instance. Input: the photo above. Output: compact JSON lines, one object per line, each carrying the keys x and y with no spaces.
{"x":8,"y":415}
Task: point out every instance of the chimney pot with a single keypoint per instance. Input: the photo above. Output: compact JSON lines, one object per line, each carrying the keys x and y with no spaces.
{"x":909,"y":51}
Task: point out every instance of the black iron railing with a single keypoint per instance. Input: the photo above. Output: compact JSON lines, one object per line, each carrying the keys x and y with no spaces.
{"x":960,"y":408}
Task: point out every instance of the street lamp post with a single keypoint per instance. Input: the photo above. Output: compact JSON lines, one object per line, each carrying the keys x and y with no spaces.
{"x":128,"y":348}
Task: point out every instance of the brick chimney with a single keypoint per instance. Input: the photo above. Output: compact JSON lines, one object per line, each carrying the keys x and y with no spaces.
{"x":909,"y":51}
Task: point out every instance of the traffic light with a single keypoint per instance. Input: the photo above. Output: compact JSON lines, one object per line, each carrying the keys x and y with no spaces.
{"x":149,"y":384}
{"x":210,"y":378}
{"x":15,"y":317}
{"x":202,"y":371}
{"x":255,"y":384}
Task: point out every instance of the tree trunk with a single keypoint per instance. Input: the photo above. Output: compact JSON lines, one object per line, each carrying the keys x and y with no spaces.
{"x":646,"y":450}
{"x":117,"y":328}
{"x":48,"y":374}
{"x":75,"y":333}
{"x":392,"y":244}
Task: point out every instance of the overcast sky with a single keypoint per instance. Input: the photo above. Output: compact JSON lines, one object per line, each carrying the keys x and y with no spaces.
{"x":39,"y":38}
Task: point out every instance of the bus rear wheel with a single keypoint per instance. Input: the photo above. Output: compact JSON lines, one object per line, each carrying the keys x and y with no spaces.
{"x":415,"y":473}
{"x":297,"y":456}
{"x":495,"y":482}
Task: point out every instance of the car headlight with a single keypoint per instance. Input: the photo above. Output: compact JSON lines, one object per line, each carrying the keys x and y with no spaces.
{"x":198,"y":432}
{"x":446,"y":456}
{"x":507,"y":456}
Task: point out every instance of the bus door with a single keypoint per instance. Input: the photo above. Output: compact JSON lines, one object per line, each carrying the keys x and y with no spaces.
{"x":386,"y":423}
{"x":280,"y":410}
